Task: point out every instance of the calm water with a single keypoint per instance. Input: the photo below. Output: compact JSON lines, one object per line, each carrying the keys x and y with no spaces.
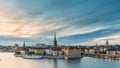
{"x":9,"y":61}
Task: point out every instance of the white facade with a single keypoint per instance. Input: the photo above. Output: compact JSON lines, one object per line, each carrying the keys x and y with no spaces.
{"x":49,"y":51}
{"x":31,"y":50}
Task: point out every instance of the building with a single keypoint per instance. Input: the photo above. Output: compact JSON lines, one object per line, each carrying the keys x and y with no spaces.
{"x":49,"y":51}
{"x":56,"y":50}
{"x":72,"y":51}
{"x":40,"y":51}
{"x":15,"y":47}
{"x":112,"y":51}
{"x":41,"y":45}
{"x":22,"y":52}
{"x":90,"y":50}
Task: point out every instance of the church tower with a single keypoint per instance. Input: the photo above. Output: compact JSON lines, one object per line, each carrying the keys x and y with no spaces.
{"x":55,"y":42}
{"x":24,"y":44}
{"x":107,"y":43}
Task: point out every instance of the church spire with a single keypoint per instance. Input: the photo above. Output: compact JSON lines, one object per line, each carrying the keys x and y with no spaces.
{"x":24,"y":44}
{"x":54,"y":36}
{"x":55,"y":42}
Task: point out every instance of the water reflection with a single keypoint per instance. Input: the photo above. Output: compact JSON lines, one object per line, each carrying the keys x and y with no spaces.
{"x":55,"y":63}
{"x":72,"y":63}
{"x":72,"y":60}
{"x":9,"y":61}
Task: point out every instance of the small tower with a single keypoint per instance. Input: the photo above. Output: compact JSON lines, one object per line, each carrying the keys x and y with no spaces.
{"x":24,"y":44}
{"x":55,"y":42}
{"x":107,"y":43}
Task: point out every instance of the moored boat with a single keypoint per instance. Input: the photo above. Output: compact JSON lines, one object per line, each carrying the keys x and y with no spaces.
{"x":53,"y":57}
{"x":32,"y":56}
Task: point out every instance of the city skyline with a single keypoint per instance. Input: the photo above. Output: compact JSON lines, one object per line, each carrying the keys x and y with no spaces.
{"x":83,"y":22}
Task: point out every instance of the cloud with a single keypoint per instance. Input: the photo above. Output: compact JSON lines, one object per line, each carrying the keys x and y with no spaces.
{"x":75,"y":22}
{"x":89,"y":37}
{"x":12,"y":24}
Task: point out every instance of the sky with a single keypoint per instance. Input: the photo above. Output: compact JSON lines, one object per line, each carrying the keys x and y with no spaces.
{"x":76,"y":22}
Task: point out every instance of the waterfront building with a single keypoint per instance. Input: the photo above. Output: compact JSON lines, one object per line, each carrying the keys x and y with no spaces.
{"x":22,"y":52}
{"x":97,"y":49}
{"x":40,"y":51}
{"x":15,"y":47}
{"x":1,"y":50}
{"x":49,"y":51}
{"x":103,"y":49}
{"x":83,"y":50}
{"x":118,"y":50}
{"x":90,"y":50}
{"x":72,"y":51}
{"x":31,"y":50}
{"x":112,"y":51}
{"x":86,"y":51}
{"x":57,"y":52}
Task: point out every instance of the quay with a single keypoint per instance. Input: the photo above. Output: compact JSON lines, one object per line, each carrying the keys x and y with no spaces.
{"x":104,"y":56}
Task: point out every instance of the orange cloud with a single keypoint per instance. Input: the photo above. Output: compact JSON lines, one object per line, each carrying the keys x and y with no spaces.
{"x":18,"y":25}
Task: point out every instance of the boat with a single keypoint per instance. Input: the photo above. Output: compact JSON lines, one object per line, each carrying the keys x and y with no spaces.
{"x":32,"y":57}
{"x":53,"y":57}
{"x":58,"y":57}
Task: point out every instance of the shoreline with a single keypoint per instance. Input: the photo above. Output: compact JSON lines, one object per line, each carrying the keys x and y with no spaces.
{"x":104,"y":56}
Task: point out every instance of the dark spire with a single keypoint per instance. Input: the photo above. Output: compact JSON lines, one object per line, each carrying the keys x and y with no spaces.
{"x":54,"y":36}
{"x":55,"y":42}
{"x":24,"y":44}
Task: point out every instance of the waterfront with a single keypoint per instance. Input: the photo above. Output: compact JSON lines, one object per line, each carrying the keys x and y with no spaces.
{"x":10,"y":61}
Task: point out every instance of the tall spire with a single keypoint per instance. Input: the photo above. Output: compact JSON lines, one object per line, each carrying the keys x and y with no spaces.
{"x":24,"y":44}
{"x":54,"y":36}
{"x":55,"y":42}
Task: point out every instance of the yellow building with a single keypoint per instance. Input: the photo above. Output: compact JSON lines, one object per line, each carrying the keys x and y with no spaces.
{"x":57,"y":52}
{"x":1,"y":50}
{"x":40,"y":51}
{"x":22,"y":52}
{"x":72,"y":51}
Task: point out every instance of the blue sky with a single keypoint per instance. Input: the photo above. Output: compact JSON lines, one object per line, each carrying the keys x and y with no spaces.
{"x":84,"y":22}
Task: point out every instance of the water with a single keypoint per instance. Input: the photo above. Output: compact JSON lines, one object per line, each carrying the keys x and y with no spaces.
{"x":9,"y":61}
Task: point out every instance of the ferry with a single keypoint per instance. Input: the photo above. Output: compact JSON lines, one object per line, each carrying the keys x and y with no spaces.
{"x":53,"y":57}
{"x":32,"y":57}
